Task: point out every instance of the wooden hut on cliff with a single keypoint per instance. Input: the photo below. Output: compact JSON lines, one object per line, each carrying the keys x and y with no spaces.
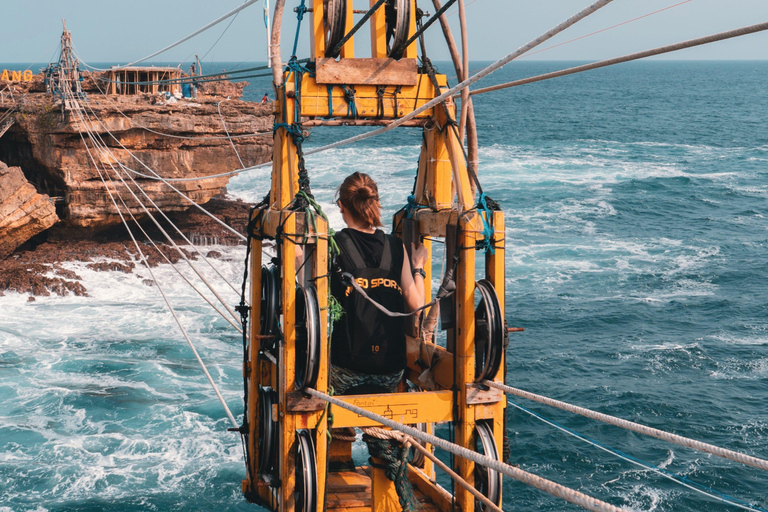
{"x":136,"y":80}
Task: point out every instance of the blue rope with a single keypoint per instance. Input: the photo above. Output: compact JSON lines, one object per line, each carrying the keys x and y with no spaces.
{"x":330,"y":101}
{"x":412,"y":206}
{"x":672,"y":476}
{"x":486,"y":215}
{"x":300,"y":10}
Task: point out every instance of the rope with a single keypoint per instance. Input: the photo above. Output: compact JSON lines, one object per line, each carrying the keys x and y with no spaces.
{"x":193,"y":34}
{"x":466,"y":83}
{"x":105,"y":152}
{"x":696,"y":487}
{"x":300,"y":11}
{"x":635,"y":427}
{"x":553,"y":488}
{"x":751,"y":29}
{"x":395,"y":453}
{"x":408,"y":442}
{"x":486,"y":215}
{"x":158,"y":177}
{"x":224,"y":124}
{"x":160,"y":289}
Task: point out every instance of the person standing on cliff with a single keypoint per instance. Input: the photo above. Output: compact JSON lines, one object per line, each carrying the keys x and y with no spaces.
{"x":265,"y":99}
{"x":192,"y":71}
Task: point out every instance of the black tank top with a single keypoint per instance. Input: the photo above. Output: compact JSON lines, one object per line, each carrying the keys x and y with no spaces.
{"x":364,"y":339}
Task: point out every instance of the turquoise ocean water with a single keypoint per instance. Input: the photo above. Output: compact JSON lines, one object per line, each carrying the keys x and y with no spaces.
{"x":637,"y":262}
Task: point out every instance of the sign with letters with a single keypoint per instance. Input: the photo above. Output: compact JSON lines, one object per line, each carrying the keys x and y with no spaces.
{"x":16,"y":76}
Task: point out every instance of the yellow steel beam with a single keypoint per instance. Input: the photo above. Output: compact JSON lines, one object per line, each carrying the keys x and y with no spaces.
{"x":318,"y":29}
{"x":378,"y":33}
{"x":287,"y":360}
{"x":320,"y":280}
{"x":494,"y":272}
{"x":314,"y":99}
{"x":348,"y":50}
{"x":465,"y":352}
{"x":410,"y":52}
{"x":406,"y":408}
{"x":251,"y":370}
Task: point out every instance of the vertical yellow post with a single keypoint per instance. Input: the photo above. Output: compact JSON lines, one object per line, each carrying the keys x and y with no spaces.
{"x":410,"y":52}
{"x":348,"y":50}
{"x":378,"y":33}
{"x":285,"y":168}
{"x":494,"y":271}
{"x":251,"y":368}
{"x":318,"y":29}
{"x":465,"y":350}
{"x":320,"y":276}
{"x":383,"y":491}
{"x":287,"y":362}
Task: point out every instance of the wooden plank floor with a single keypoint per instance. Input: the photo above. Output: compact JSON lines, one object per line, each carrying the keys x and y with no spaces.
{"x":350,"y":491}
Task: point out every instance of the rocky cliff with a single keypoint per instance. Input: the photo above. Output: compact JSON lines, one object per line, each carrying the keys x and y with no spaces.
{"x":23,"y":212}
{"x":176,"y":139}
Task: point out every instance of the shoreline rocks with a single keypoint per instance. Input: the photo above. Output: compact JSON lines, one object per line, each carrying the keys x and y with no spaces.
{"x":35,"y":268}
{"x":23,"y":212}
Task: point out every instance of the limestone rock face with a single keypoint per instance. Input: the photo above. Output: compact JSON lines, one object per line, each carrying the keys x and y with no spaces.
{"x":143,"y":134}
{"x":23,"y":212}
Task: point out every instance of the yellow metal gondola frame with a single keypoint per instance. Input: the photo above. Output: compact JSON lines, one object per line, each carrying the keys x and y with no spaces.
{"x":445,"y":194}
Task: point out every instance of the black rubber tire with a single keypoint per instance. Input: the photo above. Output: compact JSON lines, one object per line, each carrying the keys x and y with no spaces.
{"x":307,"y":337}
{"x":398,"y":17}
{"x":335,"y":24}
{"x":489,"y":332}
{"x":268,"y":431}
{"x":306,"y":472}
{"x":270,"y":300}
{"x":487,"y":481}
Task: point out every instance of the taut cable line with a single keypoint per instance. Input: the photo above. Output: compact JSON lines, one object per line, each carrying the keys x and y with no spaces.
{"x":193,"y":34}
{"x":104,"y":150}
{"x":635,"y":427}
{"x":683,"y":481}
{"x":657,"y":11}
{"x":553,"y":488}
{"x":149,"y":269}
{"x":751,"y":29}
{"x":466,"y":83}
{"x":164,"y":180}
{"x":279,"y":5}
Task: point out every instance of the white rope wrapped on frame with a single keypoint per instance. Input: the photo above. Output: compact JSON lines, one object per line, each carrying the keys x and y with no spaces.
{"x":407,"y":441}
{"x":633,"y":56}
{"x":635,"y":427}
{"x":548,"y":486}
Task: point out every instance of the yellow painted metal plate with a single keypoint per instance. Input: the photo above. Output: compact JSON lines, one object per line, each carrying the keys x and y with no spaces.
{"x":407,"y":408}
{"x":393,"y":103}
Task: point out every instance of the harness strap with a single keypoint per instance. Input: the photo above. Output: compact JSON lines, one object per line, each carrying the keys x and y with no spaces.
{"x":352,"y":254}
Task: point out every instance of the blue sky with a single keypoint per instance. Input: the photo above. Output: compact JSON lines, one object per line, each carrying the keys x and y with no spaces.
{"x":109,"y":31}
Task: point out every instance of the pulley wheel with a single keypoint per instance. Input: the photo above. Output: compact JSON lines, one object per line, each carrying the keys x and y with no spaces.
{"x":307,"y":337}
{"x":335,"y":23}
{"x":270,"y":304}
{"x":268,"y":433}
{"x":487,"y":481}
{"x":398,"y":21}
{"x":306,"y":473}
{"x":489,"y":332}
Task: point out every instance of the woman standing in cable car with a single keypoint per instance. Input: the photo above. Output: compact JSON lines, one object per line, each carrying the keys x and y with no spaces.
{"x":368,"y":348}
